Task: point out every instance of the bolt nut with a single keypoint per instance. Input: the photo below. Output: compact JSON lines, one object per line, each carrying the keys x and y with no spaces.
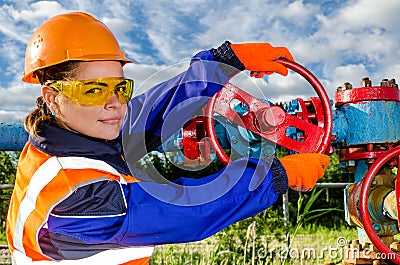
{"x":395,"y":246}
{"x":355,"y":244}
{"x":234,"y":139}
{"x":365,"y":82}
{"x":377,"y":227}
{"x":385,"y":82}
{"x":371,"y":247}
{"x":347,"y":86}
{"x":393,"y":83}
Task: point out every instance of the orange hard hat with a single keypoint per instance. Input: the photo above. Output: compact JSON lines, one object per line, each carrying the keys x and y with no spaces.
{"x":72,"y":36}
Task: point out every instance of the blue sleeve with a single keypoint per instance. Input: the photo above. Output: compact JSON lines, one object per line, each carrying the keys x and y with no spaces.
{"x":161,"y":111}
{"x":148,"y":213}
{"x":160,"y":214}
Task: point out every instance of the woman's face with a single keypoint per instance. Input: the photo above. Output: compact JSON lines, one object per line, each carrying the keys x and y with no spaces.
{"x":103,"y":121}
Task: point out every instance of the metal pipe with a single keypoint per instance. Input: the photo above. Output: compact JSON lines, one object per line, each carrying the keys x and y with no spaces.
{"x":390,"y":205}
{"x":332,"y":185}
{"x":13,"y":136}
{"x":6,"y":186}
{"x":286,"y":223}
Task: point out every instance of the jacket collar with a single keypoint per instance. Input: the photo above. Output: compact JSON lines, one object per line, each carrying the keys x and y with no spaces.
{"x":60,"y":142}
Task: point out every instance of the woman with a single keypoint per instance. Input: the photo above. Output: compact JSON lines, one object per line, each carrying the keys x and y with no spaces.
{"x":76,"y":200}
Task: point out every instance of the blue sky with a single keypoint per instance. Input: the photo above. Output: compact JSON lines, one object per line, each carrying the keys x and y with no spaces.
{"x":339,"y":41}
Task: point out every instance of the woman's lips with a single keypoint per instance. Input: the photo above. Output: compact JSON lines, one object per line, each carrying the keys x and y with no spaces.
{"x":111,"y":121}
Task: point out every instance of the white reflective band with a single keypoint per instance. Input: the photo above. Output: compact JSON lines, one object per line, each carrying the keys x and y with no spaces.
{"x":84,"y":163}
{"x":43,"y":175}
{"x":109,"y":257}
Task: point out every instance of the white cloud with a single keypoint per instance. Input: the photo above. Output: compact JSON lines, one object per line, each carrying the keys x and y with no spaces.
{"x":366,"y":13}
{"x":347,"y":73}
{"x":121,"y":28}
{"x":12,"y":116}
{"x":391,"y":71}
{"x":166,"y":29}
{"x":9,"y":27}
{"x":147,"y":76}
{"x":363,"y":36}
{"x":298,"y":12}
{"x":38,"y":11}
{"x":11,"y":53}
{"x":345,"y":43}
{"x":19,"y":96}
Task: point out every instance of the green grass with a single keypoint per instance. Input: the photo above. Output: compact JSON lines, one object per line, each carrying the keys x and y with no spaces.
{"x":262,"y":239}
{"x":312,"y":245}
{"x":249,"y":242}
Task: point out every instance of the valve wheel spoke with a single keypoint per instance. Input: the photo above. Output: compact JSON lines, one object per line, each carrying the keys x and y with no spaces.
{"x":271,"y":122}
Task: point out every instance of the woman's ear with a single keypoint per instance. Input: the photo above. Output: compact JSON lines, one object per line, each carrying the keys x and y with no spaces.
{"x":49,"y":97}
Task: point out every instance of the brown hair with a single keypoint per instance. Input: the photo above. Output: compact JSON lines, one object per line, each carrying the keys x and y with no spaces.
{"x":42,"y":112}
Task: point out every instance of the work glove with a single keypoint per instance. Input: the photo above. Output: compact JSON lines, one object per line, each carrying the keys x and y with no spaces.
{"x":303,"y":170}
{"x":259,"y":58}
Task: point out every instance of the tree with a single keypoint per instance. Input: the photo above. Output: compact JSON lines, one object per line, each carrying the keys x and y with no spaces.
{"x":8,"y":169}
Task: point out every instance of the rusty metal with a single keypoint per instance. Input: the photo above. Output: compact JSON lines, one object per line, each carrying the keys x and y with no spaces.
{"x":365,"y":82}
{"x":196,"y":148}
{"x":364,"y":203}
{"x":367,"y":94}
{"x":13,"y":136}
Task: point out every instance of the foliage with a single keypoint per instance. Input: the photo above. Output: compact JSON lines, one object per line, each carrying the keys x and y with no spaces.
{"x":237,"y":244}
{"x":261,"y":239}
{"x":252,"y":242}
{"x":8,"y":166}
{"x":166,"y":170}
{"x":241,"y":239}
{"x":327,"y":198}
{"x":8,"y":169}
{"x":306,"y":214}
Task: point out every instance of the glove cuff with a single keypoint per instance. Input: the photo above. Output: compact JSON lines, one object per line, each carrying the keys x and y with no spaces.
{"x":279,"y":177}
{"x":224,"y":54}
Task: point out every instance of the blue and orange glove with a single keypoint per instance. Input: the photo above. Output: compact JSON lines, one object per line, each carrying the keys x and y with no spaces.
{"x":259,"y":58}
{"x":303,"y":170}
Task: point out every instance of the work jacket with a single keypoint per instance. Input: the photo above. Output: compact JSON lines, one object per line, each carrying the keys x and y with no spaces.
{"x":77,"y":199}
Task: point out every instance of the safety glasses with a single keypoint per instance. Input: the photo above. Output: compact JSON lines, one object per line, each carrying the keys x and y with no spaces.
{"x":94,"y":92}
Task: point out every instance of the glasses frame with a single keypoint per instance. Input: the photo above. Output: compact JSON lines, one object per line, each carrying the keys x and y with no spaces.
{"x":72,"y":89}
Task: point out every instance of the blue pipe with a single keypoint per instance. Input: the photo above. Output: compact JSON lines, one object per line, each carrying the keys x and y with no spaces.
{"x":13,"y":136}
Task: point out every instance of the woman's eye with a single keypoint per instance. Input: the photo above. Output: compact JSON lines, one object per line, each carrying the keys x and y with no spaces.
{"x":120,"y":89}
{"x":95,"y":90}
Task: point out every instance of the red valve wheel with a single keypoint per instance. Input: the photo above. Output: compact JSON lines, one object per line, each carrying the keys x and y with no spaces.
{"x":367,"y":181}
{"x":275,"y":120}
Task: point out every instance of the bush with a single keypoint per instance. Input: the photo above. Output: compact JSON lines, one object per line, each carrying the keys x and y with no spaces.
{"x":8,"y":169}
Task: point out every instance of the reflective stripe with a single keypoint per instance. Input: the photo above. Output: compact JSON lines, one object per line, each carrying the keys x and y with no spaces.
{"x":46,"y":172}
{"x":42,"y":177}
{"x":82,"y":163}
{"x":109,"y":257}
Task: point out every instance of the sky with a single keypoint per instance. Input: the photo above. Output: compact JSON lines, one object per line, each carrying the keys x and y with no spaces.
{"x":338,"y":41}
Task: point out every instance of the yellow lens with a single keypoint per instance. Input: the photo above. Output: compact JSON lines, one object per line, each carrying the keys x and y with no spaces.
{"x":95,"y":92}
{"x":124,"y":90}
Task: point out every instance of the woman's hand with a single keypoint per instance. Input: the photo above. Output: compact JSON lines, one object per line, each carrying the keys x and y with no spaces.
{"x":303,"y":170}
{"x":259,"y":58}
